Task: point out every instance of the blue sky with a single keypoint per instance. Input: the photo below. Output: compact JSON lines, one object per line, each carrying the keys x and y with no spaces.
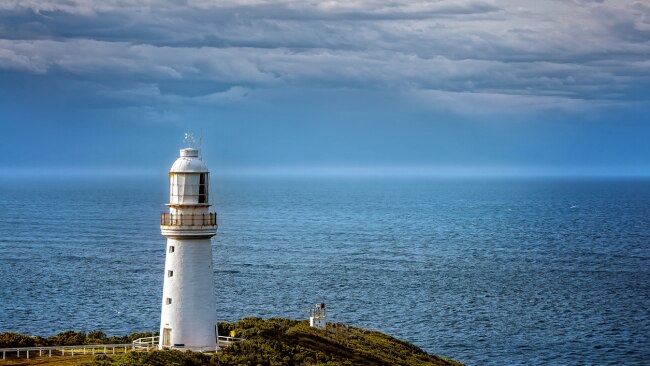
{"x":326,"y":87}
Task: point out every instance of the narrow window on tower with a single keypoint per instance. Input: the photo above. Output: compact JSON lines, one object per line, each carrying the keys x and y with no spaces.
{"x":170,"y":273}
{"x":168,"y":301}
{"x":171,"y":249}
{"x":203,"y":195}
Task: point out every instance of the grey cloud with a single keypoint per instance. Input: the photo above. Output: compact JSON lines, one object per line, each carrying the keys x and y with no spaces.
{"x":229,"y":24}
{"x":386,"y":9}
{"x":220,"y":52}
{"x":145,"y":61}
{"x":503,"y":104}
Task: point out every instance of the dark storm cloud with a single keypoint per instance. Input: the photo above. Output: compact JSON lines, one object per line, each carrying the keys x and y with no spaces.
{"x":197,"y":26}
{"x":542,"y":54}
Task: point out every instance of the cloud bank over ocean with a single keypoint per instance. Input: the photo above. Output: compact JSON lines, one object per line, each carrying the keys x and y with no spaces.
{"x":470,"y":60}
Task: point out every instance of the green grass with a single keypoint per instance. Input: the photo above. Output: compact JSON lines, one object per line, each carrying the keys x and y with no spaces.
{"x":48,"y":361}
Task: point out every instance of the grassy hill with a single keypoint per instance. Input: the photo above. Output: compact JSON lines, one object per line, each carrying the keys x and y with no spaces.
{"x":280,"y":341}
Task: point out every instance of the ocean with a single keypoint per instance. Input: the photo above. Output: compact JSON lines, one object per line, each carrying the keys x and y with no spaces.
{"x":497,"y":271}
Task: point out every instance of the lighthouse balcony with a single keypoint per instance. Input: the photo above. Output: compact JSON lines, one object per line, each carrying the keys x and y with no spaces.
{"x":205,"y":219}
{"x":188,"y":224}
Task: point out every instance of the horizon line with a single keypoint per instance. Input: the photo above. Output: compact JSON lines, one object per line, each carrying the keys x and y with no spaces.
{"x":348,"y":171}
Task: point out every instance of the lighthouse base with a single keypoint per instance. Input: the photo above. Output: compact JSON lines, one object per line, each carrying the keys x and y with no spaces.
{"x":188,"y":316}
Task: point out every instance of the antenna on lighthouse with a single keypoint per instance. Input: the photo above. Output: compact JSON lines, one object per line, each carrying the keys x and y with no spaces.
{"x":200,"y":138}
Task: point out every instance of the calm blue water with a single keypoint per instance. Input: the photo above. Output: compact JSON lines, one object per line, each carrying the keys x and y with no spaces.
{"x":496,"y":272}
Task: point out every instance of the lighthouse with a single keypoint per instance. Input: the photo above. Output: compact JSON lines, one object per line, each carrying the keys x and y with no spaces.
{"x":188,"y":316}
{"x":318,"y":316}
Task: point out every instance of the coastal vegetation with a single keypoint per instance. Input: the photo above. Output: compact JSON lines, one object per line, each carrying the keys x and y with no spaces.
{"x":278,"y":341}
{"x":67,"y":338}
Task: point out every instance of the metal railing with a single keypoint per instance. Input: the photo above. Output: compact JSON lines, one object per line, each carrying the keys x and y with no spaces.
{"x":148,"y":343}
{"x":227,"y":341}
{"x":206,"y":219}
{"x":64,"y":350}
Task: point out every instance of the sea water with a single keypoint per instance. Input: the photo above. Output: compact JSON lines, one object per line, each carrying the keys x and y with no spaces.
{"x":482,"y":271}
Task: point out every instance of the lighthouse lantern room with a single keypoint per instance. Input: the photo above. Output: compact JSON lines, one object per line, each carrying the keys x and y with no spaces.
{"x":188,"y":316}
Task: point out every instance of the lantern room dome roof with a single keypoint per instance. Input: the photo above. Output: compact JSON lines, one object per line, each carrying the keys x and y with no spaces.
{"x":189,"y":162}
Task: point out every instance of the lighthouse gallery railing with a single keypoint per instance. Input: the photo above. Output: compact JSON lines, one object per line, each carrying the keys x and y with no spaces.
{"x":207,"y":219}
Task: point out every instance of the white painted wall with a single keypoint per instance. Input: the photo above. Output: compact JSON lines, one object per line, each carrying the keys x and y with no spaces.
{"x":319,"y":323}
{"x":192,"y":313}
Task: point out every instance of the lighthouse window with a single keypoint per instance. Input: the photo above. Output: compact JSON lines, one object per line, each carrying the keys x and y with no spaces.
{"x":203,"y":191}
{"x":170,"y":273}
{"x":171,"y":249}
{"x":168,"y":301}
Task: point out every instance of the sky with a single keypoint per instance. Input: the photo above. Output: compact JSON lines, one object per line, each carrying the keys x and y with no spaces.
{"x":356,"y":87}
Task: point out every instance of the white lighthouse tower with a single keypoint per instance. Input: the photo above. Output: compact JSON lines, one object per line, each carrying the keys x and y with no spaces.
{"x":188,"y":317}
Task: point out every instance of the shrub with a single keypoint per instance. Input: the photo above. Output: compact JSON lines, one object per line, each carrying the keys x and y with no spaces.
{"x":16,"y":340}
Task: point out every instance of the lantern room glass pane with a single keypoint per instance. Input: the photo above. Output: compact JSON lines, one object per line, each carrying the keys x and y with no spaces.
{"x":188,"y":188}
{"x":191,"y":191}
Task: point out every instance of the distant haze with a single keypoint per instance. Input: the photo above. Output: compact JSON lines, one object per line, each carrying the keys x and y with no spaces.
{"x":382,"y":88}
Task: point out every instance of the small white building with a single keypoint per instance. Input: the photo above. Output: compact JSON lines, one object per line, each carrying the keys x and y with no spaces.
{"x":188,"y":317}
{"x":318,"y":316}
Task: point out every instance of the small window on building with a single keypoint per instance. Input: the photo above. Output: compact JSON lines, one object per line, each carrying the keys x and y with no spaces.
{"x":171,"y":249}
{"x":168,"y":301}
{"x":170,"y":273}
